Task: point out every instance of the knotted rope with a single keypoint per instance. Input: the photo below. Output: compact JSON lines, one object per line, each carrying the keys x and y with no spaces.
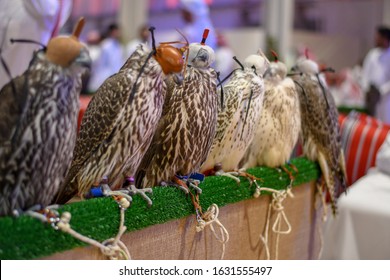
{"x":112,"y":248}
{"x":208,"y":219}
{"x":276,"y":205}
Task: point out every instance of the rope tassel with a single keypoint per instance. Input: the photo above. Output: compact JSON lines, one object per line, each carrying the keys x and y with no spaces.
{"x":276,"y":205}
{"x":113,"y":248}
{"x":208,"y":219}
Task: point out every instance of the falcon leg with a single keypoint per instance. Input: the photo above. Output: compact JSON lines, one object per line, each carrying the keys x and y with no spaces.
{"x":180,"y":184}
{"x":289,"y":173}
{"x":293,"y":167}
{"x":235,"y":174}
{"x":48,"y":214}
{"x":252,"y":179}
{"x":232,"y":175}
{"x":103,"y":189}
{"x":195,"y":185}
{"x":129,"y":187}
{"x":218,"y":171}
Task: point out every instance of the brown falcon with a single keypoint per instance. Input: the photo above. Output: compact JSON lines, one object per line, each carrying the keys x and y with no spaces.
{"x":236,"y":122}
{"x":279,"y":125}
{"x":120,"y":121}
{"x":185,"y":132}
{"x":38,"y":124}
{"x":320,"y":127}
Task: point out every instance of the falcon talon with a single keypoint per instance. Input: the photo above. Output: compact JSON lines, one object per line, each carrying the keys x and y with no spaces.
{"x":184,"y":189}
{"x":195,"y":187}
{"x":47,"y":215}
{"x":132,"y":191}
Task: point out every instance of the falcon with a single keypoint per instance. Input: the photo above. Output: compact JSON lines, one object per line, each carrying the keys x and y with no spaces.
{"x":38,"y":124}
{"x":320,"y":127}
{"x":237,"y":118}
{"x":186,"y":130}
{"x":279,"y":125}
{"x":120,"y":121}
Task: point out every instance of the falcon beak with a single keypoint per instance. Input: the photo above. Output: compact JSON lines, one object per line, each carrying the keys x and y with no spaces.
{"x":267,"y":72}
{"x":84,"y":59}
{"x":177,"y":78}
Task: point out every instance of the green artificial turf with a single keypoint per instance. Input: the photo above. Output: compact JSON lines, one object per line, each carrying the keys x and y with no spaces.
{"x":346,"y":110}
{"x":28,"y":238}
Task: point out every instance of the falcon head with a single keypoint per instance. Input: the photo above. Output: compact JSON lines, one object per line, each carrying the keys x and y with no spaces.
{"x":276,"y":69}
{"x":68,"y":50}
{"x":306,"y":66}
{"x":260,"y":63}
{"x":169,"y":57}
{"x":200,"y":56}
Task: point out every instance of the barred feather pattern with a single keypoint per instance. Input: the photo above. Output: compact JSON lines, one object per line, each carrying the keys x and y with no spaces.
{"x":185,"y":133}
{"x":38,"y":126}
{"x":231,"y":140}
{"x":278,"y":127}
{"x":321,"y":133}
{"x":115,"y":133}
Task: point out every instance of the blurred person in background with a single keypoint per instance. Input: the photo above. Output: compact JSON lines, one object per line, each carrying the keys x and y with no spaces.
{"x":110,"y":59}
{"x":37,"y":20}
{"x":196,"y":16}
{"x":93,"y":42}
{"x":143,"y":37}
{"x":224,"y":62}
{"x":345,"y":88}
{"x":376,"y":76}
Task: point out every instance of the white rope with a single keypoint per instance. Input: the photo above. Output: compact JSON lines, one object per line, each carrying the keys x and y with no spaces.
{"x":112,"y":248}
{"x":276,"y":204}
{"x":321,"y":197}
{"x":117,"y":250}
{"x":208,"y":219}
{"x":264,"y":238}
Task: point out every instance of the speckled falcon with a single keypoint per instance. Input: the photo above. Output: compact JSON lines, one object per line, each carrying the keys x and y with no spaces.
{"x":320,"y":127}
{"x":38,"y":124}
{"x":236,"y":122}
{"x":279,"y":124}
{"x":120,"y":121}
{"x":186,"y":131}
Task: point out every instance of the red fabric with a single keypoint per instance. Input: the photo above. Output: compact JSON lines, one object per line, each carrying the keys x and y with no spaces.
{"x":84,"y":101}
{"x":366,"y":119}
{"x":362,"y":137}
{"x":342,"y":118}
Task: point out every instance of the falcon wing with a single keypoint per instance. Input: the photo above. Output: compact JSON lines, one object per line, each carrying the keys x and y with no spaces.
{"x":11,"y":108}
{"x":232,"y":90}
{"x":98,"y":124}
